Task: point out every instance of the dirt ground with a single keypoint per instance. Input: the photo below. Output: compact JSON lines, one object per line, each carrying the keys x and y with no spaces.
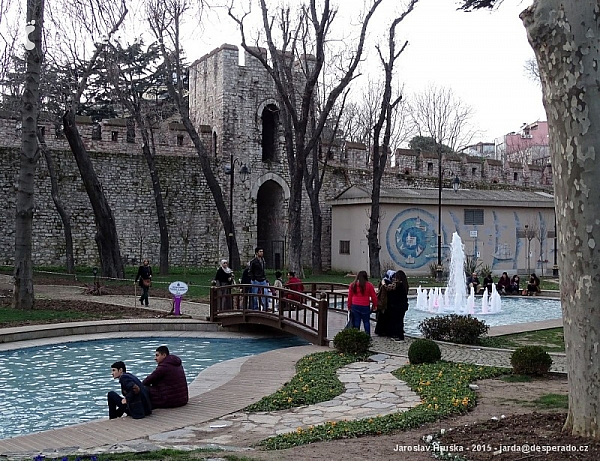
{"x":505,"y":424}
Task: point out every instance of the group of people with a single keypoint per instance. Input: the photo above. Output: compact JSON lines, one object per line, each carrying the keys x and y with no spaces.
{"x":505,"y":285}
{"x":389,"y":301}
{"x":254,"y":274}
{"x":165,"y":387}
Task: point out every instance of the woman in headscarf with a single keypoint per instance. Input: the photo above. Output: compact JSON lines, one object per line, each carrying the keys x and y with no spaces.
{"x":383,"y":326}
{"x":224,"y":277}
{"x":397,"y":305}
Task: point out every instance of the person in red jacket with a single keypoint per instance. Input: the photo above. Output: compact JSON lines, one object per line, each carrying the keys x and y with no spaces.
{"x":360,"y":296}
{"x":167,"y":384}
{"x":294,"y":283}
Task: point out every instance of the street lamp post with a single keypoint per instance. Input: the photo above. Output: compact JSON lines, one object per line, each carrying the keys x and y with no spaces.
{"x":455,"y":186}
{"x":555,"y":266}
{"x":528,"y":249}
{"x":244,"y":172}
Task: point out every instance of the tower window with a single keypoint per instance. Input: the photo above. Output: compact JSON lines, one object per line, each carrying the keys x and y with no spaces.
{"x":269,"y":133}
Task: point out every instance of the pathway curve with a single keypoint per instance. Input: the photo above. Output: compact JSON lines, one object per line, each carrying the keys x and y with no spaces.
{"x":371,"y":390}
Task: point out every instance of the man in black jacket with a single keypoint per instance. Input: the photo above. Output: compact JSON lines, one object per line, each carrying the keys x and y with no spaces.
{"x":258,"y":278}
{"x":135,"y":401}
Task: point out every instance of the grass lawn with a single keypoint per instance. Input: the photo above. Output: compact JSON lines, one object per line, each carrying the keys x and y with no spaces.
{"x":552,"y":340}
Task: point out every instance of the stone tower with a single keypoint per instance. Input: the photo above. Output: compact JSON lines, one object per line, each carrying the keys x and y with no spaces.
{"x":238,"y":103}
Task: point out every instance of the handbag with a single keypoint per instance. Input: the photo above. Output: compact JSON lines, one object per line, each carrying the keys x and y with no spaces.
{"x":147,"y":282}
{"x":349,"y":324}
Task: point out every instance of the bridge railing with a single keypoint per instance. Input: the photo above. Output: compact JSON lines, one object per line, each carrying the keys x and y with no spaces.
{"x":304,"y":314}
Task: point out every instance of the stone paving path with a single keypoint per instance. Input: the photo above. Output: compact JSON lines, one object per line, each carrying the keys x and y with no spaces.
{"x":371,"y":390}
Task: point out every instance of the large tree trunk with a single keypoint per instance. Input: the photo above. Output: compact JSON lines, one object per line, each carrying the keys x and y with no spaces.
{"x":23,"y":296}
{"x":564,"y":36}
{"x":106,"y":230}
{"x":158,"y":199}
{"x":60,"y":207}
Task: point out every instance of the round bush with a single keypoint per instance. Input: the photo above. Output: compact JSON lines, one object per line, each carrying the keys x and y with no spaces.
{"x":460,"y":329}
{"x":531,"y":361}
{"x":424,"y":351}
{"x":352,"y":341}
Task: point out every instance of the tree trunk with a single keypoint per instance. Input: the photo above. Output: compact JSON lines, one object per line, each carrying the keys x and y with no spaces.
{"x":158,"y":199}
{"x":564,"y":36}
{"x":60,"y":207}
{"x":106,"y":231}
{"x":213,"y":186}
{"x":23,"y":296}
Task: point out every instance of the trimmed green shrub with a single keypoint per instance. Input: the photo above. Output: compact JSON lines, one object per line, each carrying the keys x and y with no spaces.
{"x":424,"y":351}
{"x":460,"y":329}
{"x":352,"y":341}
{"x":531,"y":361}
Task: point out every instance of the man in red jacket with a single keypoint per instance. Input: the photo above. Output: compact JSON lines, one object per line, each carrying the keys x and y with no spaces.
{"x":167,"y":384}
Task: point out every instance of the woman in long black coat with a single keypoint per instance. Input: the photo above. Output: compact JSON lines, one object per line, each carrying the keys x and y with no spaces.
{"x":397,"y":305}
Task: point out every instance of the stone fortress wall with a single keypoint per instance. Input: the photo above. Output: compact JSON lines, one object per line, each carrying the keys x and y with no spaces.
{"x":227,"y":102}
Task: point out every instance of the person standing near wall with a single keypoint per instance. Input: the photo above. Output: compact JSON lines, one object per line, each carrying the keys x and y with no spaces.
{"x":144,"y":278}
{"x":258,"y":278}
{"x":224,"y":277}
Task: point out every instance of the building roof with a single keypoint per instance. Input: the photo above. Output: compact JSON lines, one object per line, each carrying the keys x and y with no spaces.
{"x":355,"y":195}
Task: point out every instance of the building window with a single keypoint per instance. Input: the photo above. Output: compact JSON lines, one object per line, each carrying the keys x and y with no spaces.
{"x":429,"y":167}
{"x":97,"y":132}
{"x":516,"y":176}
{"x":114,"y":136}
{"x":214,"y":143}
{"x":344,"y":247}
{"x":474,"y":217}
{"x":130,"y":130}
{"x":473,"y":171}
{"x":180,"y":140}
{"x":270,"y":124}
{"x":41,"y":131}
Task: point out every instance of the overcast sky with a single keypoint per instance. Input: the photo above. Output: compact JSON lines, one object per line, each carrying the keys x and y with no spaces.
{"x":480,"y":55}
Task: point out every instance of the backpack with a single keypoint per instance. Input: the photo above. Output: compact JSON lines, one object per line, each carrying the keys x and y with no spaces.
{"x":382,"y":297}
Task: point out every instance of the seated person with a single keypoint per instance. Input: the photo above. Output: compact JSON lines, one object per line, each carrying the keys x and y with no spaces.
{"x":488,"y":281}
{"x":135,"y":401}
{"x":503,"y":285}
{"x":533,"y":286}
{"x":473,"y":282}
{"x":515,"y":284}
{"x":167,"y":385}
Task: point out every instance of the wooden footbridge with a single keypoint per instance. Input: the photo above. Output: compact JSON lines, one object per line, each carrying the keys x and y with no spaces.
{"x":301,"y":314}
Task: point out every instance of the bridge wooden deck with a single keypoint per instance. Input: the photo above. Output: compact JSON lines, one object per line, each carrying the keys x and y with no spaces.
{"x":302,"y":314}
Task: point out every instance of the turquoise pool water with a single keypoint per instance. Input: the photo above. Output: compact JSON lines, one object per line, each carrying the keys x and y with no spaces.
{"x":515,"y":309}
{"x":54,"y":386}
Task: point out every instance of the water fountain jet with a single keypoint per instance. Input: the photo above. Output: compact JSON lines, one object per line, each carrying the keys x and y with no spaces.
{"x":454,"y":299}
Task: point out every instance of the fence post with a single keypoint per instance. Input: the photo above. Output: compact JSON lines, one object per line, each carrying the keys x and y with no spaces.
{"x":323,"y":307}
{"x":213,"y":302}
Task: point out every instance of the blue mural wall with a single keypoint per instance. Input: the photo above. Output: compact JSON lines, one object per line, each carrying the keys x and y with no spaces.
{"x":411,"y":239}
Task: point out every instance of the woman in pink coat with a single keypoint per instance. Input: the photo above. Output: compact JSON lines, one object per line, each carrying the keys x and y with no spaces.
{"x":361,"y":295}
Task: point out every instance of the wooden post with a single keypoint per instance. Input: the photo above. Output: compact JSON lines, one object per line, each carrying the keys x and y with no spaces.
{"x":213,"y":303}
{"x":323,"y":307}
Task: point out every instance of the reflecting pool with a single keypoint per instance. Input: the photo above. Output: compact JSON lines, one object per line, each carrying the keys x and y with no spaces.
{"x":515,"y":309}
{"x":58,"y":385}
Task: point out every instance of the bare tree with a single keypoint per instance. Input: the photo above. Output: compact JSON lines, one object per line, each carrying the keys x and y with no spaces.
{"x":562,"y":35}
{"x":297,"y":49}
{"x":165,"y":18}
{"x":97,"y":14}
{"x":23,"y":295}
{"x":133,"y":72}
{"x":532,"y":71}
{"x":382,"y":132}
{"x":438,"y":114}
